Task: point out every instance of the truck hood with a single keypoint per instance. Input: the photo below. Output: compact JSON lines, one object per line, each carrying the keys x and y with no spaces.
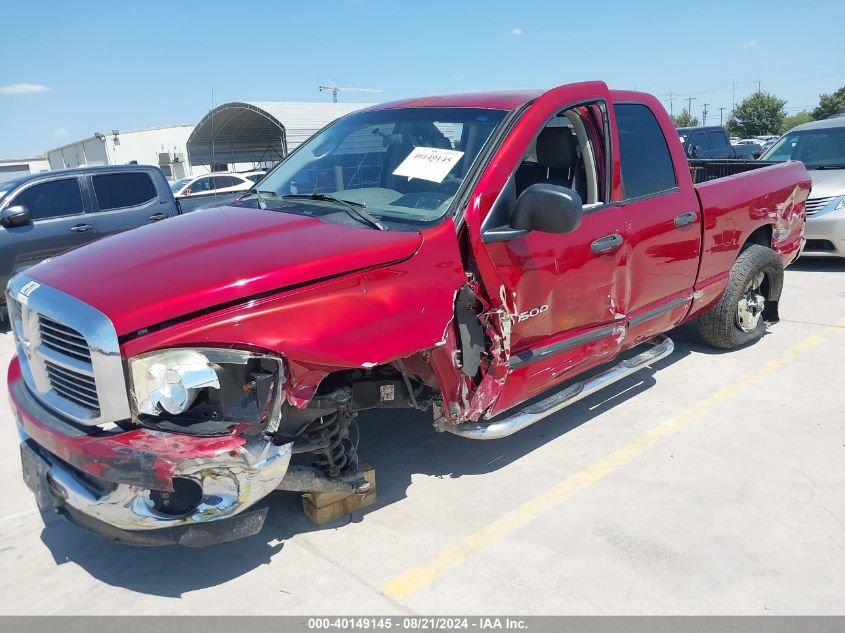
{"x":827,"y":182}
{"x":212,"y":257}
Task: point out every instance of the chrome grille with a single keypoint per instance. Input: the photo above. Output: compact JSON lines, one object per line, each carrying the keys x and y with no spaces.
{"x":74,"y":386}
{"x":814,"y":205}
{"x":63,"y":339}
{"x":69,"y":353}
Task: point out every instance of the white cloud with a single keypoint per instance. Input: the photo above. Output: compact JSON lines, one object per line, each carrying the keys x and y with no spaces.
{"x":22,"y":89}
{"x":456,"y":78}
{"x":749,"y":45}
{"x":60,"y":131}
{"x":516,"y":31}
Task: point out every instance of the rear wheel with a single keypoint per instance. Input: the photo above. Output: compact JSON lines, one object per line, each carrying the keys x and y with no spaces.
{"x":738,"y":318}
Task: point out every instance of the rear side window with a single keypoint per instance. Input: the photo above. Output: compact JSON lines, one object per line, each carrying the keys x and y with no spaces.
{"x":116,"y":191}
{"x":52,"y":199}
{"x":224,"y":181}
{"x":646,"y":163}
{"x":717,"y":139}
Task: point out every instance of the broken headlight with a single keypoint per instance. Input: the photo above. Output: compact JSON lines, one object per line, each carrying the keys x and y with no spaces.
{"x":203,"y":390}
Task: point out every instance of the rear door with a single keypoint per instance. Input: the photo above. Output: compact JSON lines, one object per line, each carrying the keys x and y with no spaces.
{"x":59,"y":223}
{"x":662,"y":216}
{"x":127,"y":199}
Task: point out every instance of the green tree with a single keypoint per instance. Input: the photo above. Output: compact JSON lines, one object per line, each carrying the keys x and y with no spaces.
{"x":761,"y":113}
{"x":830,"y":104}
{"x":792,"y":120}
{"x":684,"y":119}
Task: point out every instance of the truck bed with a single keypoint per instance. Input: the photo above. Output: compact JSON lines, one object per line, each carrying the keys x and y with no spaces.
{"x":739,"y":197}
{"x":704,"y":170}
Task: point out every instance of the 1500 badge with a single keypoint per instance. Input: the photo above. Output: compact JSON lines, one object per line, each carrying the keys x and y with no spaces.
{"x":523,"y":316}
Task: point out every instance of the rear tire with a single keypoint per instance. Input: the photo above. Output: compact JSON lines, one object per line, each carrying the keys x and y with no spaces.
{"x":756,"y":279}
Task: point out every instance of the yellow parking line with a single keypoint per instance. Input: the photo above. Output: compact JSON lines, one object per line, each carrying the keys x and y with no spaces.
{"x":418,"y":577}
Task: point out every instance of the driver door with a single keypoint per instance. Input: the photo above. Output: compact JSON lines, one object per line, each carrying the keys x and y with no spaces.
{"x":567,"y":292}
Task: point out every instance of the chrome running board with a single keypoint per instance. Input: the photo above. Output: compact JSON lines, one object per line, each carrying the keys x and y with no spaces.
{"x":662,"y":347}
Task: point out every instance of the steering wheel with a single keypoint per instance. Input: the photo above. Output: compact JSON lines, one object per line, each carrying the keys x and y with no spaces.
{"x":449,"y":186}
{"x":428,"y":200}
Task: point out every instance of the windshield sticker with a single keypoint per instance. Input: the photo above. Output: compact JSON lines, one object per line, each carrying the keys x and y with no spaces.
{"x":428,"y":163}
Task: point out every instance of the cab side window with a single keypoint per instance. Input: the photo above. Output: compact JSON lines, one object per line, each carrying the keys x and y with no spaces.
{"x":53,"y":199}
{"x":203,"y":184}
{"x":647,"y":166}
{"x":699,"y":140}
{"x":718,"y":140}
{"x":118,"y":191}
{"x":564,"y":153}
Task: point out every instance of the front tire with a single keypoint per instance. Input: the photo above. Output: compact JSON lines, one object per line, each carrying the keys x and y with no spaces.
{"x":756,"y":278}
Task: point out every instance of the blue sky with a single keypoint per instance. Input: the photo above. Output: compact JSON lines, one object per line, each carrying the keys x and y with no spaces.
{"x":97,"y":66}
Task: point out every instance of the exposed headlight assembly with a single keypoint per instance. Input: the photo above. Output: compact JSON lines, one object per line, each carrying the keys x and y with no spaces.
{"x":204,"y":390}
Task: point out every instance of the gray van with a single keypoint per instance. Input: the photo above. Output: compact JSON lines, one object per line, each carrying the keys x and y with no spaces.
{"x":44,"y":214}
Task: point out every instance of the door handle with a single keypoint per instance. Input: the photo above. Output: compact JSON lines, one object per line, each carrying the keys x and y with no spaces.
{"x":81,"y":228}
{"x":607,"y":243}
{"x":682,"y":219}
{"x":155,"y":217}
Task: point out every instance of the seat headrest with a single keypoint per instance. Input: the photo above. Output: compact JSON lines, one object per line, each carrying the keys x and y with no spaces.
{"x":556,"y":148}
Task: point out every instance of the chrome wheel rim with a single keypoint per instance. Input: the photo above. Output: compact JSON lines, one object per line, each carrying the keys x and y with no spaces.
{"x":749,"y":311}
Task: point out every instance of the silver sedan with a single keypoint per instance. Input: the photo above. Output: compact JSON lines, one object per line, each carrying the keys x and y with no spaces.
{"x":820,"y":145}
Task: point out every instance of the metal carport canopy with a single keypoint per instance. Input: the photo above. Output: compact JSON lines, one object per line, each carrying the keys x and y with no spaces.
{"x":256,"y":131}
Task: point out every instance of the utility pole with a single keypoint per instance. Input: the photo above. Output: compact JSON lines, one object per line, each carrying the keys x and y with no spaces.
{"x":733,"y":95}
{"x":671,"y":101}
{"x":704,"y":117}
{"x":720,"y":115}
{"x":689,"y":104}
{"x":758,"y":86}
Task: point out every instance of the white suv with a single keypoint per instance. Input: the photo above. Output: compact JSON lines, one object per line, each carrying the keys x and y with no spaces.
{"x":210,"y":184}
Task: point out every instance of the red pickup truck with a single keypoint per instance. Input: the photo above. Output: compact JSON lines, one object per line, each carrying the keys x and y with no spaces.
{"x":460,"y":254}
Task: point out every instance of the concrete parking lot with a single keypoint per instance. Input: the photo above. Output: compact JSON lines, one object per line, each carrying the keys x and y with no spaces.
{"x":712,"y":484}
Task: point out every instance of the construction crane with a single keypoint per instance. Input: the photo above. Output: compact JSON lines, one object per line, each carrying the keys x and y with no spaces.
{"x":334,"y":89}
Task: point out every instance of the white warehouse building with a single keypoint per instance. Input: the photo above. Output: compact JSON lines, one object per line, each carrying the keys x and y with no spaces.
{"x":235,"y":136}
{"x":243,"y":135}
{"x":15,"y":167}
{"x":163,"y":146}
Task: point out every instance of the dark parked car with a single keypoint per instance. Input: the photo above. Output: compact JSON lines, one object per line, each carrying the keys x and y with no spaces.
{"x":44,"y":214}
{"x":712,"y":141}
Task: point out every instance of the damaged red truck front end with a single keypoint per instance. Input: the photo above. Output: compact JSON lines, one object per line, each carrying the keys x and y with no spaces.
{"x":458,"y":254}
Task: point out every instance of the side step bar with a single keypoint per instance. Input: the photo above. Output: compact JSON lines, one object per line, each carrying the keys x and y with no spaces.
{"x":662,"y":347}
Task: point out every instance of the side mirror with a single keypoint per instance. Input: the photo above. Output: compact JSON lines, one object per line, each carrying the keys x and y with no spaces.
{"x":547,"y":208}
{"x":17,"y":215}
{"x":187,"y":192}
{"x":694,"y":151}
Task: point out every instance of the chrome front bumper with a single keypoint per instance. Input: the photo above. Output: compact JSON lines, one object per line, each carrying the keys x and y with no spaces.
{"x":114,"y":483}
{"x":225,"y":484}
{"x":229,"y":483}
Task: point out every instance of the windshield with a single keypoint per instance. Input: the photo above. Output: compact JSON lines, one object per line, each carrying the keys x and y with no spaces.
{"x":815,"y":148}
{"x":404,"y":166}
{"x":178,"y":184}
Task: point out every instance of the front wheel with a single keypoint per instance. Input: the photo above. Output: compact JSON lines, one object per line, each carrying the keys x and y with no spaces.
{"x":756,"y":278}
